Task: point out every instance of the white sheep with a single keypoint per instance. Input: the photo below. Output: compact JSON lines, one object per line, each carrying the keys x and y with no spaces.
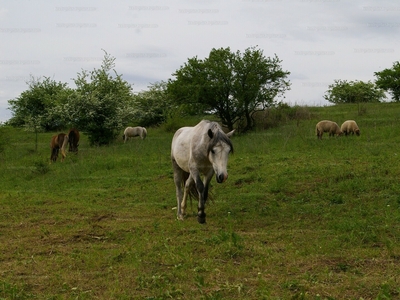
{"x":327,"y":126}
{"x":350,"y":126}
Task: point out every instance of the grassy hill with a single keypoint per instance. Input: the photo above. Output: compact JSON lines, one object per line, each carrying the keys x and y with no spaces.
{"x":298,"y":218}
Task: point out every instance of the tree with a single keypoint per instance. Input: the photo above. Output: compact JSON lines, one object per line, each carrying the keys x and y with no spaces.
{"x":101,"y":105}
{"x":33,"y":107}
{"x":233,"y":85}
{"x":258,"y":81}
{"x":343,"y":91}
{"x":389,"y":81}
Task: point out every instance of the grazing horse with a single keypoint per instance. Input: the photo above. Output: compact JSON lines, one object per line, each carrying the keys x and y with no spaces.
{"x":195,"y":151}
{"x":73,"y":136}
{"x":58,"y":142}
{"x":134,"y":131}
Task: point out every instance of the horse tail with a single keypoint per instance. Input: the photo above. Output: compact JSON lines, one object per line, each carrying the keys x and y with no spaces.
{"x":144,"y":133}
{"x":64,"y":145}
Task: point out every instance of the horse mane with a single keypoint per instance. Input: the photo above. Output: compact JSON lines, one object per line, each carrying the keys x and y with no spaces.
{"x":217,"y":136}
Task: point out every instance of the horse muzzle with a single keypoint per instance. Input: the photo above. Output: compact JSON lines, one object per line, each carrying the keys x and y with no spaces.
{"x":221,"y":177}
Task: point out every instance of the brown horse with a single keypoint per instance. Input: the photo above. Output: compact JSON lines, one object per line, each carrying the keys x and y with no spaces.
{"x":58,"y":142}
{"x":73,"y":136}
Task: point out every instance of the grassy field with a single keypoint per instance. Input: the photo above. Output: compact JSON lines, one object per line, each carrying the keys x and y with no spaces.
{"x":298,"y":218}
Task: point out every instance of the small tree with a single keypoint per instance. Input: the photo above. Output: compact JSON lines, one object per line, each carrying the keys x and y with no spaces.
{"x":343,"y":91}
{"x":101,"y":105}
{"x":258,"y":81}
{"x":151,"y":107}
{"x":389,"y":81}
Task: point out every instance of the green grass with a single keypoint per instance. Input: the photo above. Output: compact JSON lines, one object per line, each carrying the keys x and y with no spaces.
{"x":298,"y":218}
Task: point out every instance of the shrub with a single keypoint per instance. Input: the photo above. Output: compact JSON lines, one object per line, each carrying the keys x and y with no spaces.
{"x":280,"y":114}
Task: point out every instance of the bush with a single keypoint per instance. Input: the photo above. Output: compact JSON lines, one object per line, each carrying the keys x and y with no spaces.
{"x":282,"y":113}
{"x":101,"y":105}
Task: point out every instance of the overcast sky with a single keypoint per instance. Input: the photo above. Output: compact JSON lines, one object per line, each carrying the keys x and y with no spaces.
{"x":318,"y":41}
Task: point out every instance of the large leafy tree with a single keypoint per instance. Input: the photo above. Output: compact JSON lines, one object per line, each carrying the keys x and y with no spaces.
{"x":343,"y":91}
{"x":234,"y":85}
{"x":101,"y":105}
{"x":389,"y":80}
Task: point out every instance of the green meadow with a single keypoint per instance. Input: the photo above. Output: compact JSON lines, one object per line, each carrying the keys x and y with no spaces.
{"x":298,"y":218}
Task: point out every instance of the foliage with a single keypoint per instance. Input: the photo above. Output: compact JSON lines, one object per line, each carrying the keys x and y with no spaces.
{"x":233,"y":85}
{"x":101,"y":105}
{"x":33,"y":107}
{"x":152,"y":107}
{"x":389,"y":80}
{"x":178,"y":118}
{"x":343,"y":91}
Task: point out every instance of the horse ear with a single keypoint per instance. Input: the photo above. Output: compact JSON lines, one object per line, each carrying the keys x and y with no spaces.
{"x":210,"y":133}
{"x":229,"y":134}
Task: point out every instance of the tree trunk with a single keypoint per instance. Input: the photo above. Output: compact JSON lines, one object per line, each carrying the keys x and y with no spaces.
{"x":249,"y":122}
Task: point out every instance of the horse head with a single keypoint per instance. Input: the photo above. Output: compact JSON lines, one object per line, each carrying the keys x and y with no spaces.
{"x":73,"y":136}
{"x":218,"y":151}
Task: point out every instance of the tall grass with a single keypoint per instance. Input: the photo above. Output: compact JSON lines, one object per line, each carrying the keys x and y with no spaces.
{"x":298,"y":218}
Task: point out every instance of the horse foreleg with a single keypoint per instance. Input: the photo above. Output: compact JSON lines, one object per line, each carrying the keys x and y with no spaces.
{"x":206,"y":182}
{"x":201,"y":215}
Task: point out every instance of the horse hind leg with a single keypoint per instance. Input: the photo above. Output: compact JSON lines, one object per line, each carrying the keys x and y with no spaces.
{"x":178,"y":180}
{"x":188,"y":185}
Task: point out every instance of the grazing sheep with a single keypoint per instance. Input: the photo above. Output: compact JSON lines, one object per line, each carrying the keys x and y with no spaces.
{"x":327,"y":126}
{"x":350,"y":126}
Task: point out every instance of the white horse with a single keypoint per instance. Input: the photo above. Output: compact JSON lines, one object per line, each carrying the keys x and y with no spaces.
{"x":134,"y":131}
{"x":195,"y":151}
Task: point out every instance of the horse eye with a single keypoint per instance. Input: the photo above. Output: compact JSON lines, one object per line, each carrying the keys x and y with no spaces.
{"x":212,"y":151}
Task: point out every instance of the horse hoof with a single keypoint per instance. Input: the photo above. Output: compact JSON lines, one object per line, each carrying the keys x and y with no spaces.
{"x":201,"y":218}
